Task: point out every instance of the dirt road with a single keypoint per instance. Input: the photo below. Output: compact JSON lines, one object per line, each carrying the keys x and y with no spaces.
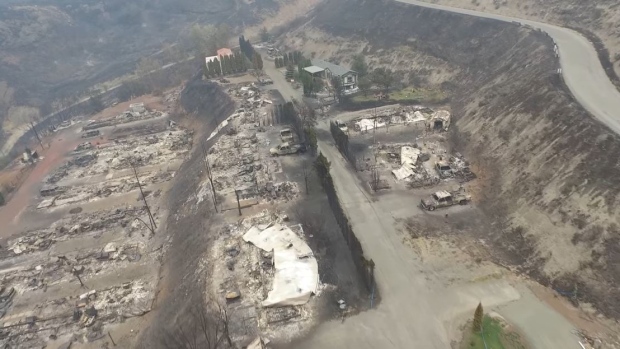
{"x":581,"y":68}
{"x":417,"y":309}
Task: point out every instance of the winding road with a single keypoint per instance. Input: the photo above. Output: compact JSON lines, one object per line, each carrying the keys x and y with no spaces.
{"x":581,"y":68}
{"x":416,"y":309}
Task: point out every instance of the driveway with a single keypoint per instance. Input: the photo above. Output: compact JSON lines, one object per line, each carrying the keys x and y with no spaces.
{"x":417,"y":310}
{"x":581,"y":68}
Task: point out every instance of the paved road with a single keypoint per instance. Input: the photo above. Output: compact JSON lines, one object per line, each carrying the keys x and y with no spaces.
{"x":581,"y":67}
{"x":417,"y":309}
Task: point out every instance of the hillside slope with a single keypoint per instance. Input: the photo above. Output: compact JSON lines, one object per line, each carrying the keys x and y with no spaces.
{"x":597,"y":19}
{"x":551,"y":181}
{"x":52,"y":50}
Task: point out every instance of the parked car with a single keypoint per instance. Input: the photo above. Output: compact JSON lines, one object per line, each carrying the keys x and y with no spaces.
{"x":286,"y":149}
{"x":444,"y":198}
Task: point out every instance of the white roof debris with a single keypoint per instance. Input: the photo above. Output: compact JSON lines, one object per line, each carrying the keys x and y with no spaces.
{"x":417,"y":117}
{"x":296,"y":269}
{"x":368,"y":124}
{"x":408,"y":158}
{"x":402,"y":173}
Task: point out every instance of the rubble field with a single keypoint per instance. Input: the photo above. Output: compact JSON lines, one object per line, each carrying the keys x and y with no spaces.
{"x":148,"y":150}
{"x":261,"y":265}
{"x":399,"y":147}
{"x":89,"y":273}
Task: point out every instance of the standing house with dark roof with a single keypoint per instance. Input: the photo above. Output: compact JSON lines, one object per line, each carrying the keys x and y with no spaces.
{"x":348,"y":77}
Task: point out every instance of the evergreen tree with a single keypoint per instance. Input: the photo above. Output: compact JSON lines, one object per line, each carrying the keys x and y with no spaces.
{"x":211,"y":69}
{"x":217,"y":69}
{"x":242,"y":63}
{"x":228,"y":65}
{"x":285,"y":61}
{"x":303,"y":64}
{"x":290,"y":58}
{"x":257,"y":61}
{"x":477,"y":326}
{"x":290,"y":71}
{"x":242,"y":44}
{"x":205,"y":70}
{"x":223,"y":65}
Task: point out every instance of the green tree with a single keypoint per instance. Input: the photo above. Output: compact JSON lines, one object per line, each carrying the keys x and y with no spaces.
{"x":478,"y":314}
{"x":205,"y":70}
{"x":2,"y":201}
{"x":307,"y":83}
{"x":322,"y":165}
{"x":303,"y":64}
{"x":290,"y":71}
{"x":285,"y":60}
{"x":383,"y":77}
{"x":264,"y":35}
{"x":311,"y":138}
{"x":240,"y":61}
{"x":217,"y":67}
{"x":364,"y":84}
{"x":223,"y":65}
{"x":257,"y":61}
{"x":359,"y":65}
{"x":337,"y":88}
{"x":210,"y":69}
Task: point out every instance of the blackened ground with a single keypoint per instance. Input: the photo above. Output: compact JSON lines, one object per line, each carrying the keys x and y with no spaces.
{"x":187,"y":225}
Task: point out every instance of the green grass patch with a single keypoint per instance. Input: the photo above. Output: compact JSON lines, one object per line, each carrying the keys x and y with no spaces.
{"x":495,"y":335}
{"x":407,"y":94}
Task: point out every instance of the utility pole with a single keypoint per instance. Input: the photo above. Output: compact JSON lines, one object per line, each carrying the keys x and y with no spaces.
{"x":238,"y":202}
{"x":148,"y":209}
{"x":36,"y":134}
{"x":210,"y":176}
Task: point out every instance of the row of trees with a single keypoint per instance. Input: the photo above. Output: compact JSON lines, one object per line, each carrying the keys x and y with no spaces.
{"x":289,"y":58}
{"x":225,"y":65}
